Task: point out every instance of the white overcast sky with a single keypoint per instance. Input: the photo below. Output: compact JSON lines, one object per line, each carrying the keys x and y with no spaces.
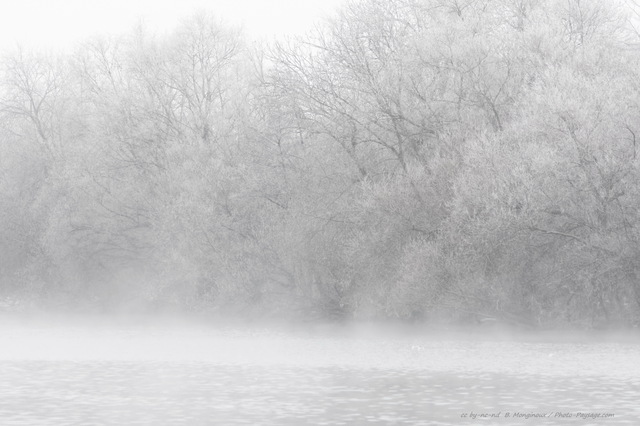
{"x":62,"y":23}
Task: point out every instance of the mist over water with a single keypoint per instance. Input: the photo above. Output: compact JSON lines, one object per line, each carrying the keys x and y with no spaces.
{"x":90,"y":371}
{"x":357,"y":344}
{"x":464,"y":172}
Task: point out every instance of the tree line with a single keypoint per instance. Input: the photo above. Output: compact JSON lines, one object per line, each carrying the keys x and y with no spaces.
{"x":438,"y":160}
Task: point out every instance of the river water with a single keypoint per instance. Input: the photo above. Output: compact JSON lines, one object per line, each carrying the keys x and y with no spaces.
{"x":53,"y":374}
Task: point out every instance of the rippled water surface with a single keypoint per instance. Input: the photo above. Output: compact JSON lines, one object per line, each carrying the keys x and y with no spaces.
{"x":187,"y":376}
